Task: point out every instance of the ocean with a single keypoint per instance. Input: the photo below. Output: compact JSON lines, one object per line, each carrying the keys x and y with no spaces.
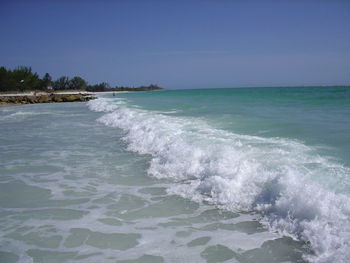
{"x":206,"y":175}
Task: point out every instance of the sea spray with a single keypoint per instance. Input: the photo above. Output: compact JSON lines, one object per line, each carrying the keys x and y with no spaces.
{"x":277,"y":177}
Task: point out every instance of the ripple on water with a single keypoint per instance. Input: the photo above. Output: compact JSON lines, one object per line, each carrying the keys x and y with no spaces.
{"x":144,"y":259}
{"x":118,"y":241}
{"x":92,"y":201}
{"x":8,"y":257}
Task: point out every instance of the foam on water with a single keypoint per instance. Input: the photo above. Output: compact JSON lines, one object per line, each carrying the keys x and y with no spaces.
{"x":105,"y":105}
{"x":298,"y":192}
{"x":19,"y":115}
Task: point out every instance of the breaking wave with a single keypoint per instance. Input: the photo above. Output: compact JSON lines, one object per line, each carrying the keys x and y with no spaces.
{"x":297,"y":192}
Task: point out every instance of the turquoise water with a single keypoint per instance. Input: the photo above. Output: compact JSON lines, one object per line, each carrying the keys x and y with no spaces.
{"x":217,"y":175}
{"x":316,"y":116}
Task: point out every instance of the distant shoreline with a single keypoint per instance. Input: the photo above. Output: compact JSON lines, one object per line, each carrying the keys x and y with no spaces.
{"x":43,"y":97}
{"x":73,"y":92}
{"x":34,"y":97}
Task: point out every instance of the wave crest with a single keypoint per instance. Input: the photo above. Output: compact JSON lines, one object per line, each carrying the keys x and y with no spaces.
{"x":285,"y":180}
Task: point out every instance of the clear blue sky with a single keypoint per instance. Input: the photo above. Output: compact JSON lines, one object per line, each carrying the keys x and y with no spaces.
{"x":181,"y":44}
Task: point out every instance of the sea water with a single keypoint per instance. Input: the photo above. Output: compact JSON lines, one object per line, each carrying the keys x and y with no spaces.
{"x":216,"y":175}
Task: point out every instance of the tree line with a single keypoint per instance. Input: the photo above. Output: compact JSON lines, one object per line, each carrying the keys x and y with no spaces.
{"x":23,"y":79}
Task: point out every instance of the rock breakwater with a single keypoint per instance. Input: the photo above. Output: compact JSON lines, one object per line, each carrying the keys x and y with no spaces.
{"x":44,"y":98}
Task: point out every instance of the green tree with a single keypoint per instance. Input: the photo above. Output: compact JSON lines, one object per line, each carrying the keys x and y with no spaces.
{"x":4,"y":78}
{"x":61,"y":83}
{"x":46,"y":81}
{"x":22,"y":78}
{"x":77,"y":83}
{"x":104,"y":86}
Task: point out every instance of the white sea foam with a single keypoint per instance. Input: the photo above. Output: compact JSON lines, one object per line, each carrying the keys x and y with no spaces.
{"x":104,"y":105}
{"x":286,"y":181}
{"x":19,"y":115}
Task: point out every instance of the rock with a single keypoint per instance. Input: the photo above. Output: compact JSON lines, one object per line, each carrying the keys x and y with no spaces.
{"x":45,"y":98}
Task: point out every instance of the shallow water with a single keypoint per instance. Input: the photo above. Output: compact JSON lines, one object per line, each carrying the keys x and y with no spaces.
{"x":166,"y":177}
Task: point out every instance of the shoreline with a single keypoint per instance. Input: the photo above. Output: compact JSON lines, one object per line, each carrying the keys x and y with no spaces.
{"x":83,"y":92}
{"x":51,"y":97}
{"x":44,"y":97}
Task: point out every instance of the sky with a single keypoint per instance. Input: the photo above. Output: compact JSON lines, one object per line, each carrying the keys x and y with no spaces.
{"x":181,"y":44}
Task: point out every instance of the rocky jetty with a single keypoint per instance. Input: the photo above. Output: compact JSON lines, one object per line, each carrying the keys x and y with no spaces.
{"x":44,"y":98}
